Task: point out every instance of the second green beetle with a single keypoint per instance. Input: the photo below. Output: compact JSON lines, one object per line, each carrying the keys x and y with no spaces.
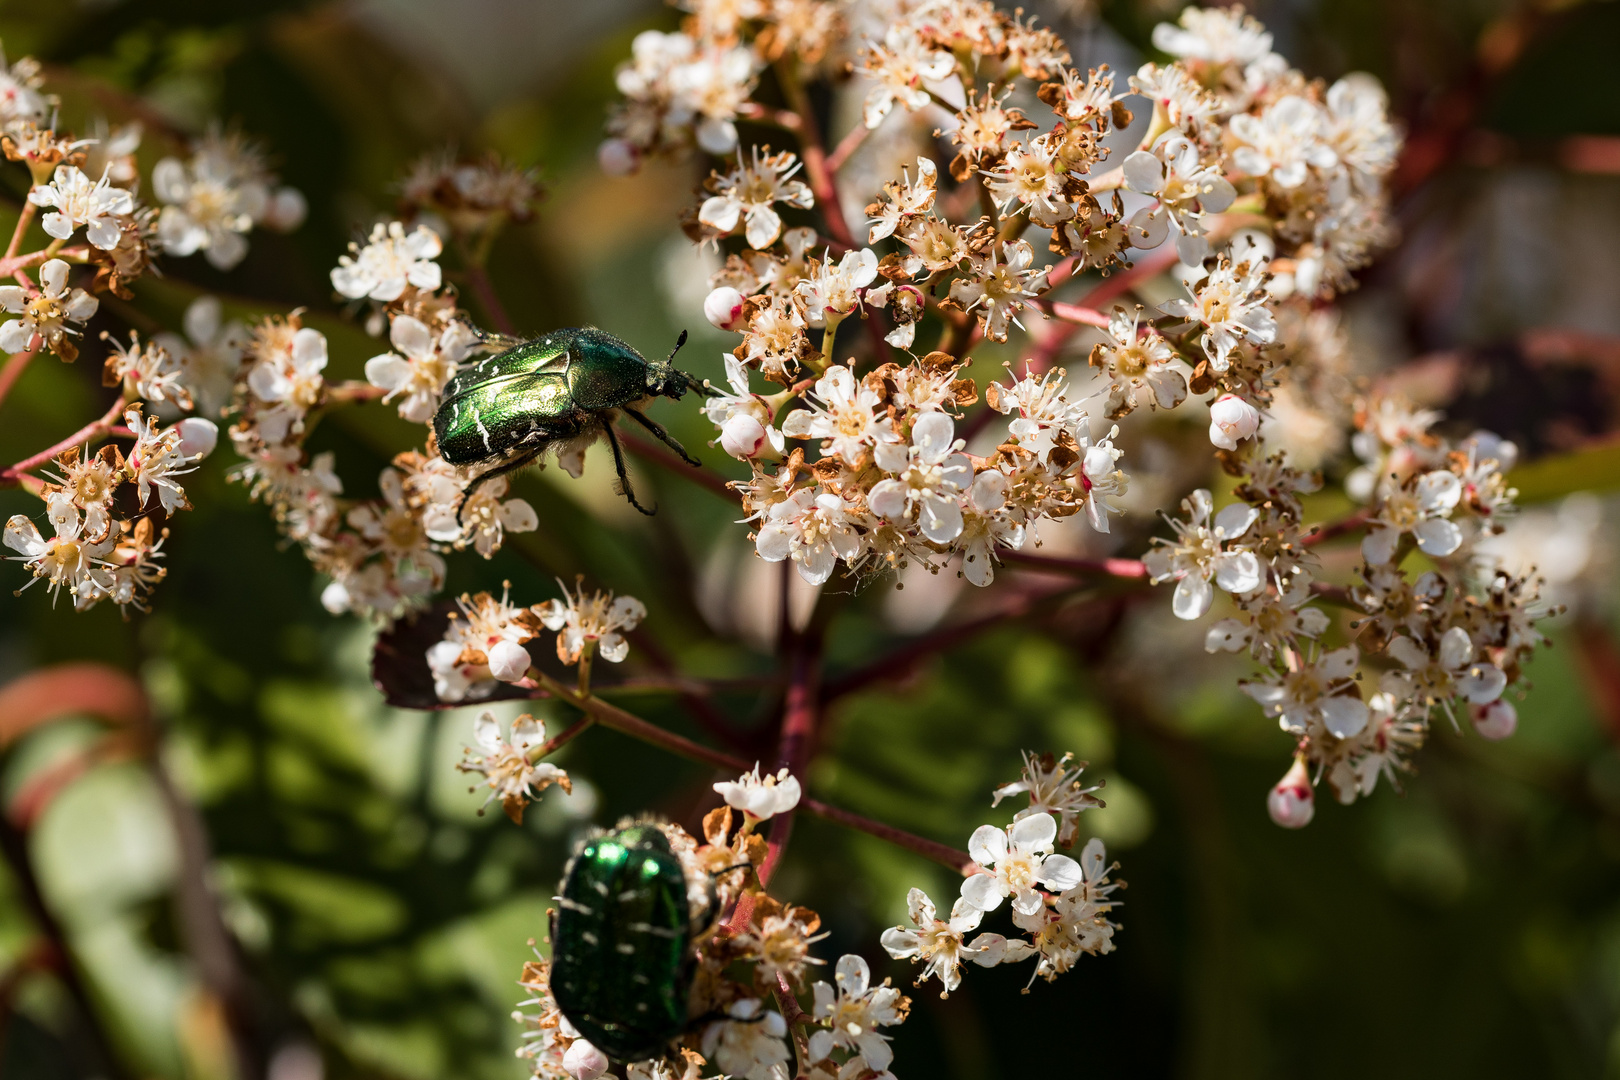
{"x":569,"y":384}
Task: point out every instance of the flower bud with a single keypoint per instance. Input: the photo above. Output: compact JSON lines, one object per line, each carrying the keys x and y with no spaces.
{"x":616,"y":157}
{"x":197,"y":436}
{"x":583,"y":1061}
{"x":1495,"y":720}
{"x":724,"y":308}
{"x":1292,"y":803}
{"x":1231,"y":420}
{"x":742,"y":436}
{"x":508,"y":661}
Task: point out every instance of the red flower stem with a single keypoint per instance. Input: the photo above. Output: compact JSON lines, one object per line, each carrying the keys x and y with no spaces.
{"x":943,"y":854}
{"x":1111,"y":289}
{"x":566,"y":736}
{"x":13,"y":371}
{"x":488,"y":299}
{"x":1073,"y":313}
{"x":654,"y":454}
{"x":83,"y":435}
{"x":1323,"y":533}
{"x":847,"y":146}
{"x":23,"y":219}
{"x":611,"y":716}
{"x":822,"y":182}
{"x":902,"y":661}
{"x":1128,"y":569}
{"x":353,"y":391}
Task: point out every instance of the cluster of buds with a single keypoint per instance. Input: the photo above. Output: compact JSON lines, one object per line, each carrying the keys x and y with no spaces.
{"x":484,"y":644}
{"x":471,"y":198}
{"x":1061,"y":904}
{"x":750,"y":948}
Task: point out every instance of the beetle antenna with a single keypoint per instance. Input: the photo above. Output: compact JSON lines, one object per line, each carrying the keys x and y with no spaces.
{"x":678,"y":343}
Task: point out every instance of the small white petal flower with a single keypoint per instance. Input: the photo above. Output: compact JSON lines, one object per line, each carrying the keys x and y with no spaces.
{"x":759,"y":799}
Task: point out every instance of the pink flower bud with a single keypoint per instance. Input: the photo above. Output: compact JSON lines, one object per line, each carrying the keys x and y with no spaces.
{"x":724,"y":308}
{"x":616,"y":157}
{"x":1231,"y":420}
{"x":508,"y":661}
{"x":197,"y":436}
{"x":583,"y":1061}
{"x":742,"y":436}
{"x":1292,"y":803}
{"x":1495,"y":720}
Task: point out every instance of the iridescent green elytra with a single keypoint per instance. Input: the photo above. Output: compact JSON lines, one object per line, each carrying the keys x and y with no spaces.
{"x":508,"y":409}
{"x":619,"y":965}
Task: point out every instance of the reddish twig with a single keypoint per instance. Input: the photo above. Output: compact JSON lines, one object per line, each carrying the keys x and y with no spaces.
{"x":943,"y":854}
{"x":1323,"y":533}
{"x":1112,"y":288}
{"x":822,"y":182}
{"x":1128,"y":569}
{"x":83,"y":435}
{"x":488,"y":299}
{"x":846,"y":147}
{"x":654,"y":454}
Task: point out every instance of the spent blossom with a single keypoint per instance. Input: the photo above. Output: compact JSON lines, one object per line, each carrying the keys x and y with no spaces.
{"x":748,"y":194}
{"x":504,"y":764}
{"x":591,"y":623}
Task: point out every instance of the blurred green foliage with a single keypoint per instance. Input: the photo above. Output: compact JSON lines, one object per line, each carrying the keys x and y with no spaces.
{"x":1468,"y":927}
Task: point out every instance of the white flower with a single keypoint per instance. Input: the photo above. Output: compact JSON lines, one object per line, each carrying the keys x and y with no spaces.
{"x":759,"y":799}
{"x":210,"y":355}
{"x":1321,"y":691}
{"x":395,"y":527}
{"x":1014,"y":862}
{"x":1053,"y":788}
{"x":843,"y":412}
{"x":812,"y":530}
{"x":1283,"y":142}
{"x":1099,"y":476}
{"x":1214,"y":35}
{"x":20,"y":98}
{"x":1199,"y":553}
{"x":931,"y":478}
{"x":1434,"y":677}
{"x":1044,"y":411}
{"x":293,"y":376}
{"x":149,"y":370}
{"x":835,"y":290}
{"x":1186,"y":188}
{"x":481,"y":519}
{"x":744,"y":418}
{"x":746,"y":195}
{"x":597,"y":621}
{"x":997,"y":285}
{"x":1357,"y":127}
{"x":904,"y":69}
{"x":903,"y":200}
{"x":1033,"y":178}
{"x":390,"y":261}
{"x":213,"y":200}
{"x":460,"y":662}
{"x":1291,"y":802}
{"x":45,"y":317}
{"x":1232,"y":308}
{"x":1231,"y":420}
{"x":985,"y":526}
{"x":751,"y":1045}
{"x":80,"y":201}
{"x":942,"y":946}
{"x":504,"y":762}
{"x":853,"y":1012}
{"x":1423,"y":509}
{"x":155,"y":460}
{"x":427,"y":365}
{"x":67,"y":558}
{"x":1135,"y":360}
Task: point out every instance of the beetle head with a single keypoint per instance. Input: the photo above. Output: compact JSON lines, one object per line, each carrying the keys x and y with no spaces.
{"x":664,"y":378}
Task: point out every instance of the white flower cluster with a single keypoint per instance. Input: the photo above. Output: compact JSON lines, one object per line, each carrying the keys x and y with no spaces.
{"x":1450,"y":633}
{"x":893,"y":482}
{"x":484,"y":644}
{"x":504,"y":763}
{"x":92,"y":553}
{"x":214,"y":198}
{"x":1063,"y":905}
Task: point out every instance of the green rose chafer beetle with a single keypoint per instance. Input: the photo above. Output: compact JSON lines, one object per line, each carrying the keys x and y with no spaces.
{"x":621,"y":969}
{"x":564,"y":386}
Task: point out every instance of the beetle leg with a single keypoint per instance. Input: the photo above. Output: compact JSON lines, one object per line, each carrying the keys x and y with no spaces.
{"x":489,"y":474}
{"x":663,"y":436}
{"x":624,"y":477}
